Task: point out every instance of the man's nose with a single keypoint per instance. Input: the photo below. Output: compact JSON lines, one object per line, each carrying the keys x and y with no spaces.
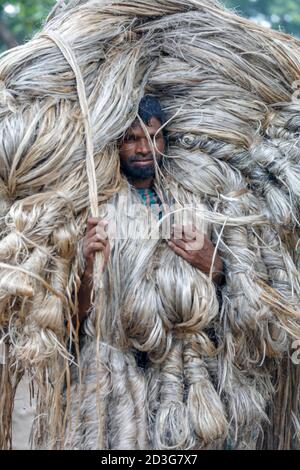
{"x":143,"y":147}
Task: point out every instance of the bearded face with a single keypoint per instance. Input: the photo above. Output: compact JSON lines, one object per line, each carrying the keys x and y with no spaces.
{"x":136,"y":155}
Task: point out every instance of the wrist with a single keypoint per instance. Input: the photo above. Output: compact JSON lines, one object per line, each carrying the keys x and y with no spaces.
{"x":88,"y":269}
{"x":87,"y":277}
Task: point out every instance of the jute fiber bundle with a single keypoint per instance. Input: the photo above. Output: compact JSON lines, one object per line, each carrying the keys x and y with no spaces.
{"x":216,"y":373}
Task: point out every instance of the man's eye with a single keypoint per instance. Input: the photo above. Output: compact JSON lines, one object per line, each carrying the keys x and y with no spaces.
{"x":129,"y":138}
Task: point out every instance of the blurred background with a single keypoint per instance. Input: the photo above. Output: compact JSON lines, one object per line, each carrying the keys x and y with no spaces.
{"x":19,"y":20}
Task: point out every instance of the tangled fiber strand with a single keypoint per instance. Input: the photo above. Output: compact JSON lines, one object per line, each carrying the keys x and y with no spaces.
{"x":66,"y":97}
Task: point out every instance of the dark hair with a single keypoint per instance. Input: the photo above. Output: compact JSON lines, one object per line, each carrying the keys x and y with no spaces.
{"x":150,"y":107}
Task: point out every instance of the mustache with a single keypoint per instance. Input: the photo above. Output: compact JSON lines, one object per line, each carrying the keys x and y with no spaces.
{"x":135,"y":158}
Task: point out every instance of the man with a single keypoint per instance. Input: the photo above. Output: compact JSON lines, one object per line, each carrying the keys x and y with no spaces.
{"x":138,"y":165}
{"x":143,"y":379}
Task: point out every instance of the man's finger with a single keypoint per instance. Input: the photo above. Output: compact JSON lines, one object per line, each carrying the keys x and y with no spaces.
{"x":93,"y":247}
{"x":92,"y":232}
{"x":92,"y":221}
{"x":179,"y":251}
{"x":180,"y":243}
{"x":184,"y":232}
{"x":98,"y":239}
{"x":177,"y":231}
{"x":189,"y":232}
{"x":103,"y":223}
{"x":189,"y":245}
{"x":194,"y":238}
{"x":100,"y":230}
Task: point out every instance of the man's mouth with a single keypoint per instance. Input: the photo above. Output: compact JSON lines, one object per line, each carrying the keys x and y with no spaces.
{"x":143,"y":161}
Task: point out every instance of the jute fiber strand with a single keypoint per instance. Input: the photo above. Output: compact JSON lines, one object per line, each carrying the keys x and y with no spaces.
{"x":219,"y":372}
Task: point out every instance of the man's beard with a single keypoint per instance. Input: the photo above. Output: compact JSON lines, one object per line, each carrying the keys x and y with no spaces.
{"x":139,"y":173}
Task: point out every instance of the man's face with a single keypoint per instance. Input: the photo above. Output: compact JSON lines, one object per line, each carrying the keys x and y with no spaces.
{"x":135,"y":151}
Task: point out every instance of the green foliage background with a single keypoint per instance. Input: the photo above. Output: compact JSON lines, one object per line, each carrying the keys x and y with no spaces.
{"x":281,"y":14}
{"x":27,"y":21}
{"x":17,"y":28}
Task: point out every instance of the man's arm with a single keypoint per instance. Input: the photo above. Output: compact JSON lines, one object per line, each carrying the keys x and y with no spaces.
{"x":84,"y":297}
{"x":95,"y":240}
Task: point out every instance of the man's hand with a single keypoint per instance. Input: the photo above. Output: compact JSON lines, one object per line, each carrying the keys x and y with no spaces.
{"x":96,"y":239}
{"x":197,"y":249}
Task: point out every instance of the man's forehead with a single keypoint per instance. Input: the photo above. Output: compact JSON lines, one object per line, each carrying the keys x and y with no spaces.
{"x":153,"y":125}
